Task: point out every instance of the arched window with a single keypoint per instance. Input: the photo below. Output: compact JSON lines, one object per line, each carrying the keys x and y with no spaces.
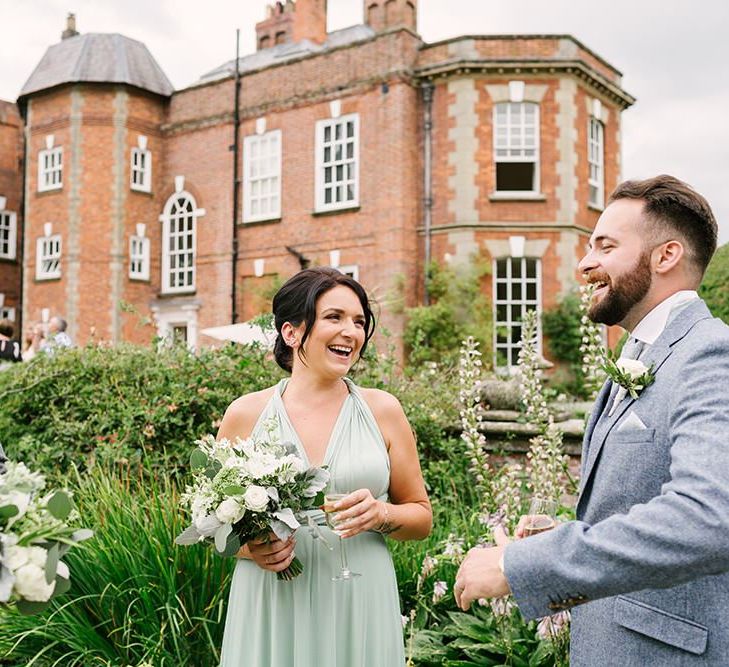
{"x":179,"y":234}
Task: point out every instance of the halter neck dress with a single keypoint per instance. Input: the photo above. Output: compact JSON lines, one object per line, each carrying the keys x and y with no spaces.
{"x":313,"y":621}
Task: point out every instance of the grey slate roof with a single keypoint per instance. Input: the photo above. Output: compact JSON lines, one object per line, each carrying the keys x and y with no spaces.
{"x":284,"y":52}
{"x":100,"y":58}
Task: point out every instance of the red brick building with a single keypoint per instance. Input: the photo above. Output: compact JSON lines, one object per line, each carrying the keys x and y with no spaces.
{"x":364,"y":148}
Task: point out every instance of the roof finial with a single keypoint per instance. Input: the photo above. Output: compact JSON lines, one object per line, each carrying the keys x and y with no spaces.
{"x":70,"y":30}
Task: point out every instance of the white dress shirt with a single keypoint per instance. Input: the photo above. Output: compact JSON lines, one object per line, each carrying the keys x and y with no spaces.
{"x":653,"y":324}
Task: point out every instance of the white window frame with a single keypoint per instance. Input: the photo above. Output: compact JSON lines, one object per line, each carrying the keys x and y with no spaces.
{"x":514,"y":306}
{"x":140,"y":174}
{"x":262,"y":176}
{"x":171,"y":218}
{"x":8,"y":234}
{"x":334,"y":163}
{"x":516,"y":140}
{"x":7,"y":313}
{"x":139,"y":257}
{"x":50,"y":169}
{"x":48,"y":257}
{"x":596,"y":162}
{"x":352,"y":270}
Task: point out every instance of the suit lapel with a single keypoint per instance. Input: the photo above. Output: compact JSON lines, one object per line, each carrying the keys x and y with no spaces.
{"x":600,"y":424}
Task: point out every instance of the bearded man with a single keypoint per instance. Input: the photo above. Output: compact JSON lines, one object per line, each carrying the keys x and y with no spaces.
{"x":647,"y":559}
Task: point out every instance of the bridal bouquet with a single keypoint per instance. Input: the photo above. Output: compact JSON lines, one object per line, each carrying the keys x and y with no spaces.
{"x":35,"y":533}
{"x":248,"y":488}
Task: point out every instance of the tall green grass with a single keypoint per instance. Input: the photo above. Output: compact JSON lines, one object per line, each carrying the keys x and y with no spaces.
{"x":136,"y":597}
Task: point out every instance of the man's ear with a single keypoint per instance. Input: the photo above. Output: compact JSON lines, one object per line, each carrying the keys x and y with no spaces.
{"x":667,"y":256}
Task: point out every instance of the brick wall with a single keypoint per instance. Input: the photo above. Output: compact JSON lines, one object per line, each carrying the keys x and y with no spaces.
{"x":11,"y":156}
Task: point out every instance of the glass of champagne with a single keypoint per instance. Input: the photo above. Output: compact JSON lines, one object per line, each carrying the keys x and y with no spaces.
{"x":345,"y":574}
{"x":542,"y":516}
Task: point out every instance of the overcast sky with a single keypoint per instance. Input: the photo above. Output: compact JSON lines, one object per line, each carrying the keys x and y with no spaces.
{"x":673,"y":56}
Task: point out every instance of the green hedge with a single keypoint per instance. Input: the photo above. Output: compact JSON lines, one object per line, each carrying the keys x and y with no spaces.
{"x":122,"y":404}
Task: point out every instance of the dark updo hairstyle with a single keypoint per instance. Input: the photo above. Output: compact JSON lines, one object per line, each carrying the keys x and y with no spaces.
{"x":296,"y":302}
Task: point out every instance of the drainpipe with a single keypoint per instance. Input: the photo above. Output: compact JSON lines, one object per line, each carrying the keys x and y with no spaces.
{"x":20,"y":242}
{"x":236,"y":182}
{"x":427,"y":182}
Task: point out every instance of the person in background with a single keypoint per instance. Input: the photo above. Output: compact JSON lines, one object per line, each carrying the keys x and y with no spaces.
{"x":34,"y":340}
{"x":9,"y":349}
{"x":57,"y":336}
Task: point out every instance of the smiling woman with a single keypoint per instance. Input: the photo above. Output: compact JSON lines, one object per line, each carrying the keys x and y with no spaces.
{"x":324,"y":322}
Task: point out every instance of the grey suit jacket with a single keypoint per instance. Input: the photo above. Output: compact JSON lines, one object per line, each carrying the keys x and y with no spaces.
{"x":649,"y":551}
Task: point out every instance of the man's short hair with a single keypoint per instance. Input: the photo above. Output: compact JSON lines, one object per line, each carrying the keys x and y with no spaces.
{"x":60,"y":323}
{"x":6,"y":328}
{"x":674,"y":206}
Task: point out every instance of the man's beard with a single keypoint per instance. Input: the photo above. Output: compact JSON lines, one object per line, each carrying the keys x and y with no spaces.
{"x":622,"y":293}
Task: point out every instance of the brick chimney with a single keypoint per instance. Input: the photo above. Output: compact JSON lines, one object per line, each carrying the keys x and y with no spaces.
{"x":70,"y":30}
{"x":293,"y":21}
{"x":384,"y":14}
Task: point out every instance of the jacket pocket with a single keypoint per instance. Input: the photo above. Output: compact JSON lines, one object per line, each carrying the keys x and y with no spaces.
{"x":633,"y":435}
{"x":661,"y":625}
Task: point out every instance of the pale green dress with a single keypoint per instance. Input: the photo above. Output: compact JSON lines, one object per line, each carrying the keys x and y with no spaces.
{"x":313,"y":621}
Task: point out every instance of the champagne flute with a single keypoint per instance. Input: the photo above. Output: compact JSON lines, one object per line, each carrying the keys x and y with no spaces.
{"x":542,"y":516}
{"x":345,"y":574}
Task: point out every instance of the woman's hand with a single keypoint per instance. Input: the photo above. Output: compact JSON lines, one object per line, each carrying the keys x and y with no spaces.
{"x":358,"y":512}
{"x":272,"y":554}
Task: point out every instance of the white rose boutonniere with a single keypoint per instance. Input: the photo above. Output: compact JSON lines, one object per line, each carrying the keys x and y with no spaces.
{"x":631,"y":375}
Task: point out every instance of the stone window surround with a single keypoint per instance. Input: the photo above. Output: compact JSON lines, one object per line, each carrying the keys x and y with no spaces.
{"x":263,"y":139}
{"x":140,"y":172}
{"x":598,"y":111}
{"x":596,"y":163}
{"x":516,"y":246}
{"x":50,"y":166}
{"x":166,"y":219}
{"x":8,"y":234}
{"x":139,"y":255}
{"x":519,"y":91}
{"x":336,"y":120}
{"x":351,"y":270}
{"x":48,"y":255}
{"x":177,"y":312}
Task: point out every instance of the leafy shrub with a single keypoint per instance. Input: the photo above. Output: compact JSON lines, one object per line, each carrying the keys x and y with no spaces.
{"x":122,"y":403}
{"x":715,"y":286}
{"x":459,"y":309}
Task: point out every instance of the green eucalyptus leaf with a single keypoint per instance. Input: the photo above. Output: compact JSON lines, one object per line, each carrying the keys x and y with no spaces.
{"x":28,"y":608}
{"x":62,"y":586}
{"x":51,"y":563}
{"x":60,"y":505}
{"x":198,"y":459}
{"x":8,"y":511}
{"x":234,"y":490}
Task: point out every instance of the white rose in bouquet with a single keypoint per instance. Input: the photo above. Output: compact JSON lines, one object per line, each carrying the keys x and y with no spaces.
{"x":229,"y":511}
{"x":256,"y":498}
{"x":30,"y":583}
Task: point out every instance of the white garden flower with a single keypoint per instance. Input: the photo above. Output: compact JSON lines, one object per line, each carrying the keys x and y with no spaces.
{"x":440,"y":588}
{"x":229,"y":511}
{"x":15,"y":557}
{"x":30,"y":583}
{"x":632,"y":367}
{"x":256,"y":498}
{"x":550,"y":626}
